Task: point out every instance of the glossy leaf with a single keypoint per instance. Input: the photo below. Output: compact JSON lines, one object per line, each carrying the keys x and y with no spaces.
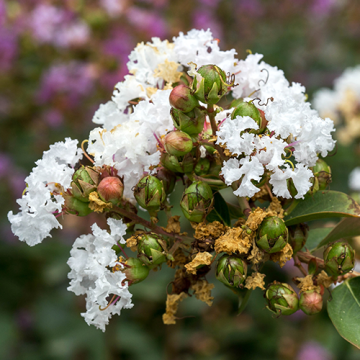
{"x":344,"y":310}
{"x":347,"y":227}
{"x":235,"y":211}
{"x":220,"y":211}
{"x":315,"y":237}
{"x":324,"y":204}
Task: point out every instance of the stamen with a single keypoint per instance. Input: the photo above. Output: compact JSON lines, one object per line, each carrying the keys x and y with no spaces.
{"x":292,"y":165}
{"x":23,"y":193}
{"x":85,"y":153}
{"x":253,"y":93}
{"x":221,"y":79}
{"x":249,"y":51}
{"x":111,"y":301}
{"x":267,"y":78}
{"x":259,"y":100}
{"x":159,"y":141}
{"x":123,"y":251}
{"x":291,"y":153}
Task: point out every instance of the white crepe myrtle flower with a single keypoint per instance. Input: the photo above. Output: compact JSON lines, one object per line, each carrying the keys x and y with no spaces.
{"x":91,"y":260}
{"x":354,"y":179}
{"x":42,"y":199}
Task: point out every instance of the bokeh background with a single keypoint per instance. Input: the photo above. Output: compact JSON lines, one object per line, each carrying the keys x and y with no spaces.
{"x":58,"y":61}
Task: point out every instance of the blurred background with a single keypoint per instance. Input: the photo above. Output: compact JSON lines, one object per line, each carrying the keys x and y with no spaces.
{"x":58,"y":61}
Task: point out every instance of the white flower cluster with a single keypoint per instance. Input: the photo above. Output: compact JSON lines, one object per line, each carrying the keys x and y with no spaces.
{"x":42,"y":199}
{"x":92,"y":258}
{"x":329,"y":102}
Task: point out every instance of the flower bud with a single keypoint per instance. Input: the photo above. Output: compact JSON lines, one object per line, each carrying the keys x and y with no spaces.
{"x":178,"y":165}
{"x":310,"y":302}
{"x":75,"y":206}
{"x":248,"y":109}
{"x":111,"y":189}
{"x":151,"y":251}
{"x":297,"y":236}
{"x":339,"y":258}
{"x":212,"y":86}
{"x":202,"y":167}
{"x":322,"y":172}
{"x":178,"y":143}
{"x":168,"y":179}
{"x":84,"y":182}
{"x":313,"y":188}
{"x":231,"y":270}
{"x":191,"y":122}
{"x":149,"y":192}
{"x":181,"y":98}
{"x":272,"y":235}
{"x":197,"y":201}
{"x":281,"y":298}
{"x":135,"y":270}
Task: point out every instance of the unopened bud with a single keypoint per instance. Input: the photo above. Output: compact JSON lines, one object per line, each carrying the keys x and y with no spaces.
{"x":191,"y":122}
{"x":248,"y":109}
{"x":322,"y":172}
{"x":281,"y":298}
{"x":197,"y":201}
{"x":75,"y":206}
{"x":149,"y":193}
{"x":84,"y":182}
{"x":339,"y":258}
{"x":298,"y":235}
{"x":178,"y":143}
{"x":212,"y":86}
{"x":311,"y":302}
{"x":231,"y":270}
{"x":151,"y":250}
{"x":111,"y":190}
{"x":202,"y":167}
{"x":181,"y":98}
{"x":272,"y":235}
{"x":135,"y":270}
{"x":178,"y":165}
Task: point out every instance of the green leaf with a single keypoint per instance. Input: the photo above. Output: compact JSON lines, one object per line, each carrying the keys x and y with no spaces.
{"x":347,"y":227}
{"x":220,"y":211}
{"x":235,"y":211}
{"x":315,"y":237}
{"x":324,"y":204}
{"x":344,"y":310}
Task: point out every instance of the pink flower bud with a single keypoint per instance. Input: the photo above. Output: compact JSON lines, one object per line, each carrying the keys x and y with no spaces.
{"x":181,"y":98}
{"x":311,"y":302}
{"x":178,"y":143}
{"x":110,"y":189}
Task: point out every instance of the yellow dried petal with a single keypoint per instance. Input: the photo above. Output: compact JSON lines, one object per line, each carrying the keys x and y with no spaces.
{"x":173,"y":225}
{"x":96,"y":204}
{"x":256,"y":255}
{"x":172,"y":304}
{"x":324,"y":279}
{"x":180,"y":259}
{"x":283,"y":256}
{"x":131,"y":242}
{"x":306,"y":283}
{"x":255,"y":280}
{"x":202,"y":291}
{"x":150,"y":91}
{"x":168,"y":71}
{"x":202,"y":258}
{"x":214,"y":230}
{"x":276,"y":208}
{"x":234,"y":240}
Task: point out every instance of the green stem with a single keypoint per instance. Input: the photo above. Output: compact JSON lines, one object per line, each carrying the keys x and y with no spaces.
{"x":211,"y":113}
{"x":244,"y":301}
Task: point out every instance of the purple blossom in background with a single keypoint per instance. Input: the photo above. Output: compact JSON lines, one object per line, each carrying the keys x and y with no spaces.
{"x":5,"y":164}
{"x":312,"y":350}
{"x":211,"y":3}
{"x":74,"y":80}
{"x":157,"y":3}
{"x":50,"y":24}
{"x":322,"y":7}
{"x":53,"y":118}
{"x":203,"y":19}
{"x":113,"y":7}
{"x":8,"y":48}
{"x":150,"y":22}
{"x":251,"y":7}
{"x":2,"y":13}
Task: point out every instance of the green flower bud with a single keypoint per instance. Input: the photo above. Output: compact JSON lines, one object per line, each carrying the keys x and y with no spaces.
{"x":197,"y":201}
{"x":84,"y":182}
{"x":168,"y":179}
{"x":272,"y":235}
{"x":178,"y":165}
{"x":339,"y":258}
{"x":212,"y":86}
{"x":311,"y":302}
{"x":135,"y":270}
{"x":322,"y":172}
{"x":111,"y":189}
{"x":178,"y":143}
{"x":281,"y":298}
{"x":182,"y":98}
{"x":248,"y":109}
{"x":231,"y":270}
{"x":202,"y":167}
{"x":191,"y":123}
{"x":150,"y":194}
{"x":151,"y":250}
{"x":313,"y":188}
{"x":298,"y":235}
{"x":75,"y":206}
